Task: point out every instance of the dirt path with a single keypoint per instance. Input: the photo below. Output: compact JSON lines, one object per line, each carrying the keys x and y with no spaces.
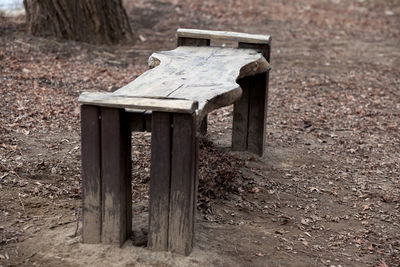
{"x":326,"y":193}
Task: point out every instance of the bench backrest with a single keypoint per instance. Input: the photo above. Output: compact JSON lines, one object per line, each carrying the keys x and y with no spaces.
{"x":203,"y":37}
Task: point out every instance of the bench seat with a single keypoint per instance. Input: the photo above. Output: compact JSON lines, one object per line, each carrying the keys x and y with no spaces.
{"x":186,"y":79}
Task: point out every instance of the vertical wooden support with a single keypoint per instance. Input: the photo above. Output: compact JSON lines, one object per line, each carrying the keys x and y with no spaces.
{"x":257,"y":113}
{"x":91,"y":174}
{"x":173,"y":182}
{"x":115,"y":172}
{"x":160,"y":174}
{"x":249,"y":114}
{"x":183,"y":175}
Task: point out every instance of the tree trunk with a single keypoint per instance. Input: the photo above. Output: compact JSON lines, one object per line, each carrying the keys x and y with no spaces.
{"x":92,"y":21}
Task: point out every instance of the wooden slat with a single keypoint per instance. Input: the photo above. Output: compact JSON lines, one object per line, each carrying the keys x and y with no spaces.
{"x":115,"y":143}
{"x":180,"y":238}
{"x":224,"y":35}
{"x":133,"y":102}
{"x":241,"y":118}
{"x":91,"y":174}
{"x":160,"y":181}
{"x":257,"y":113}
{"x":187,"y":41}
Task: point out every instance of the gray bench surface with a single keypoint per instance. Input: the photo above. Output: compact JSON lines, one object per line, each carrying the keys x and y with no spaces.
{"x":185,"y":80}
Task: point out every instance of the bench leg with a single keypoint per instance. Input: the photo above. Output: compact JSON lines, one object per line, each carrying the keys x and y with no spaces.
{"x":249,"y":115}
{"x":106,"y":175}
{"x":173,"y":182}
{"x":116,"y":176}
{"x":160,"y":180}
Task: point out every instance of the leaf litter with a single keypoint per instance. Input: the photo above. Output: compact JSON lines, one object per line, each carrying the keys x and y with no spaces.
{"x":327,"y":191}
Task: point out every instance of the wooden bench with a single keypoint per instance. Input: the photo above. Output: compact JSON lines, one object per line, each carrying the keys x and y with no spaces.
{"x":176,"y":94}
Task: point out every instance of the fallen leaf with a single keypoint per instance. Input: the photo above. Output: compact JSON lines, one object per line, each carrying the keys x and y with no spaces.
{"x":304,"y":221}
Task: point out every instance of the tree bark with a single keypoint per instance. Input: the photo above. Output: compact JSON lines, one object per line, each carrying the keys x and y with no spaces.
{"x":92,"y":21}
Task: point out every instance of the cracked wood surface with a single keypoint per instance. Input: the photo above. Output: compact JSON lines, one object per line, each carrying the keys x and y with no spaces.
{"x":206,"y":75}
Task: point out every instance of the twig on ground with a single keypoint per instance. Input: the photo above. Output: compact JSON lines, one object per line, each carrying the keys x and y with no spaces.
{"x":77,"y":223}
{"x":22,"y":204}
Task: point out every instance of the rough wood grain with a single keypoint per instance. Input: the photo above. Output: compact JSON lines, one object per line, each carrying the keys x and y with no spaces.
{"x":151,"y":102}
{"x":91,"y":174}
{"x":231,"y":36}
{"x":203,"y":74}
{"x":160,"y":174}
{"x":183,"y":162}
{"x":115,"y":165}
{"x":188,"y":41}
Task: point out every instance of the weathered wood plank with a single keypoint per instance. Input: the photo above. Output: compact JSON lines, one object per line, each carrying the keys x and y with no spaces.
{"x":257,"y":113}
{"x":241,"y":119}
{"x":204,"y":74}
{"x":160,"y":181}
{"x":91,"y":174}
{"x":187,"y":41}
{"x":180,"y":237}
{"x":115,"y":164}
{"x":113,"y":100}
{"x":225,"y":35}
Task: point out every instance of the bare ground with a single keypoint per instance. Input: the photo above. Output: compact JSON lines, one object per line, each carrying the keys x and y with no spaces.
{"x":326,"y":193}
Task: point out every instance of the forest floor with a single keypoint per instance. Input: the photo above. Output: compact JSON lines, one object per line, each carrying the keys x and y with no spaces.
{"x":326,"y":193}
